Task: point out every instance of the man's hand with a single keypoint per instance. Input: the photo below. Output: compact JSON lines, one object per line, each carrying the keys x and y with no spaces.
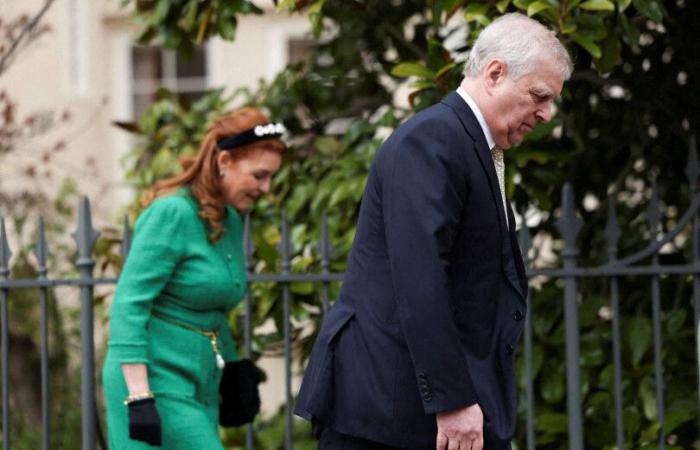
{"x":461,"y":429}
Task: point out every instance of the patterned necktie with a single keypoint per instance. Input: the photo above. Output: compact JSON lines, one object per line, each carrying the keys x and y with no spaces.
{"x":497,"y":155}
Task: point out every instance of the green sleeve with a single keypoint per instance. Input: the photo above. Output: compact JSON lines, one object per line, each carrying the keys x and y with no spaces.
{"x":158,"y":244}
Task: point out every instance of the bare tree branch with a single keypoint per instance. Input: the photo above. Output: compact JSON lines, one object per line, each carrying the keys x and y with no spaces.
{"x":26,"y":31}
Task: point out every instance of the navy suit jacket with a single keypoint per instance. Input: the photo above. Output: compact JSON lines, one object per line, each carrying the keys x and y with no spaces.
{"x":433,"y":299}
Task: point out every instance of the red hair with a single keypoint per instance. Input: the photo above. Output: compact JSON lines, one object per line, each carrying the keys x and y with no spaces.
{"x":202,"y":172}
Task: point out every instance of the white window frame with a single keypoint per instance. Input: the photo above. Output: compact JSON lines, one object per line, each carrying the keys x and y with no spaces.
{"x":169,"y":78}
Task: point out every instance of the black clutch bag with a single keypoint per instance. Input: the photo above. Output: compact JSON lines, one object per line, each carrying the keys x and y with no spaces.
{"x":240,"y":399}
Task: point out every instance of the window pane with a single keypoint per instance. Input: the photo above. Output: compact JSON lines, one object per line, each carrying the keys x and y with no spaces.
{"x":141,"y":103}
{"x":191,"y":65}
{"x":298,"y":48}
{"x":147,"y":63}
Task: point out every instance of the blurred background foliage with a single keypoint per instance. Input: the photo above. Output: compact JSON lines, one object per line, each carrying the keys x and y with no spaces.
{"x":625,"y":118}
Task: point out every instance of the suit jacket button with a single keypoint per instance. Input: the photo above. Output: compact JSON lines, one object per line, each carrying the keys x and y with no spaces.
{"x":427,"y":397}
{"x":509,"y":349}
{"x":518,"y":315}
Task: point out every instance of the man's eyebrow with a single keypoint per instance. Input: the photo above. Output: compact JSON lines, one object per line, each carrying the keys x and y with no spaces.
{"x":543,"y":92}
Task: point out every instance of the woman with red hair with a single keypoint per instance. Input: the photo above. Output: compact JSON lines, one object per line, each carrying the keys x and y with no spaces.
{"x":172,"y":373}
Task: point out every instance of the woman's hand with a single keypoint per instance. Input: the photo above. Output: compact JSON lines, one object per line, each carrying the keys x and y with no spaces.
{"x":144,"y":421}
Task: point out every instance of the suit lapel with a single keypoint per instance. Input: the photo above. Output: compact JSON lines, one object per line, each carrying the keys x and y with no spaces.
{"x":471,"y":125}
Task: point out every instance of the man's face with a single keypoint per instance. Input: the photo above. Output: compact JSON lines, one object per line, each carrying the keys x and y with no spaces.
{"x":518,"y":105}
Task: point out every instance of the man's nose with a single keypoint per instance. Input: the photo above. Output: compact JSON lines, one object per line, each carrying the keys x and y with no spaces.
{"x":265,"y":186}
{"x":545,"y":113}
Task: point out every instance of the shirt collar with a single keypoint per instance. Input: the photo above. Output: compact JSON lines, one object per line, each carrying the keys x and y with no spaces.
{"x":479,"y":117}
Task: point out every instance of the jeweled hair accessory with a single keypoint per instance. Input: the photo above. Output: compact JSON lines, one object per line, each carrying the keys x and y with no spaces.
{"x":257,"y":133}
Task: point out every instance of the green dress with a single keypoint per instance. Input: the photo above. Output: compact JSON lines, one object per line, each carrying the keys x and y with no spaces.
{"x":173,"y":283}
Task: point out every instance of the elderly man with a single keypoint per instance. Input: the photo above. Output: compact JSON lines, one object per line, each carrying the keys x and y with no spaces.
{"x":418,"y":351}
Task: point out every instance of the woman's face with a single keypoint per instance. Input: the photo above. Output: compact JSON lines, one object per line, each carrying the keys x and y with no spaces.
{"x":245,"y":179}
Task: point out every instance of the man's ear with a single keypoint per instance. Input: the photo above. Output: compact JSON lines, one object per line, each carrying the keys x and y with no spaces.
{"x":494,"y":73}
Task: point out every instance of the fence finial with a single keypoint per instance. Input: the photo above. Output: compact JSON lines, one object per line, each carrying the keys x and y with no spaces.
{"x":5,"y":252}
{"x":569,"y":224}
{"x":692,"y":170}
{"x":612,"y":229}
{"x":41,"y":251}
{"x":85,"y":235}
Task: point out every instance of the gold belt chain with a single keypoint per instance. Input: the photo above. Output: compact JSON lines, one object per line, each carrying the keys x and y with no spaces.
{"x":211,"y":334}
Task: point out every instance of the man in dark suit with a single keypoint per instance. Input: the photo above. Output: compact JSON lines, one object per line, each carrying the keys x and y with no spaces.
{"x":418,"y":350}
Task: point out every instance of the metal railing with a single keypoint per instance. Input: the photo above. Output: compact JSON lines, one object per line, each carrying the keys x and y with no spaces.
{"x":569,"y":226}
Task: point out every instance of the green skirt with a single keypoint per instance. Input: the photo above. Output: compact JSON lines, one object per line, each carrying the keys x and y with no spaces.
{"x":182,"y":374}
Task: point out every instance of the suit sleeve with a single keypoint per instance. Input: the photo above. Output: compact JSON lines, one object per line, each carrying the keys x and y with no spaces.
{"x":156,"y":249}
{"x":423,"y":193}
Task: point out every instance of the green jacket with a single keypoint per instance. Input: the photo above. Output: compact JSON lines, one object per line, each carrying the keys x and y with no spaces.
{"x":173,"y":272}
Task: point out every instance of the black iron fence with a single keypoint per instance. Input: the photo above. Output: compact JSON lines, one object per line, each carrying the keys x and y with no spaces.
{"x":569,"y":226}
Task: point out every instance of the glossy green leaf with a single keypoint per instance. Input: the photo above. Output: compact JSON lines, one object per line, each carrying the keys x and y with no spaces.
{"x":588,"y":44}
{"x":623,"y":4}
{"x":639,"y":338}
{"x":610,"y":54}
{"x":438,"y":56}
{"x":227,"y":26}
{"x":189,"y":19}
{"x":649,"y":436}
{"x":537,"y":7}
{"x":422,"y":84}
{"x":343,"y":192}
{"x":648,"y":398}
{"x":675,"y":321}
{"x":327,"y":145}
{"x":502,"y":5}
{"x":161,"y":11}
{"x":675,"y":417}
{"x":598,"y":5}
{"x":444,"y":69}
{"x":630,"y":32}
{"x":592,"y":25}
{"x":477,"y":12}
{"x":522,"y":4}
{"x":650,"y":8}
{"x":412,"y":69}
{"x":569,"y":26}
{"x":315,"y":17}
{"x":302,"y":288}
{"x":299,"y":197}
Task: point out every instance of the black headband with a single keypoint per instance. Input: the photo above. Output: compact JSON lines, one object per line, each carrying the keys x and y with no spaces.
{"x":257,"y":133}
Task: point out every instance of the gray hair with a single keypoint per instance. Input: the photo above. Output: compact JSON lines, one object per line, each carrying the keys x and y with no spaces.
{"x":522,"y":43}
